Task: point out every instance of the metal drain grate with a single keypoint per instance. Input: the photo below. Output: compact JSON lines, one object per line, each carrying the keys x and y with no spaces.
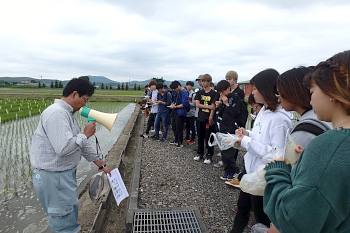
{"x":166,"y":221}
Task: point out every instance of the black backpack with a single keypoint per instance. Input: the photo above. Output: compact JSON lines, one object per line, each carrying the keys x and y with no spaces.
{"x":310,"y":128}
{"x":243,"y":116}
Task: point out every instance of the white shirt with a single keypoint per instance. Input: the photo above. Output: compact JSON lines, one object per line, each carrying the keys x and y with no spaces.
{"x":58,"y":144}
{"x":154,"y":108}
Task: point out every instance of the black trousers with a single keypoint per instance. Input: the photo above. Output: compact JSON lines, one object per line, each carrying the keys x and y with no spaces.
{"x":150,"y":122}
{"x":229,"y":158}
{"x":245,"y":203}
{"x":178,"y":127}
{"x":190,"y":128}
{"x":203,"y":137}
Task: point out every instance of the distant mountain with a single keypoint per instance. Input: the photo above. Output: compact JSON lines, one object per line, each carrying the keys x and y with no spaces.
{"x":98,"y":80}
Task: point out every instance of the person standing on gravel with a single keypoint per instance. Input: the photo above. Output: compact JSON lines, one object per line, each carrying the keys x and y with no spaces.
{"x":232,"y":77}
{"x":154,"y":109}
{"x":180,"y":105}
{"x":163,"y":100}
{"x":229,"y":111}
{"x":269,"y":132}
{"x":56,"y":150}
{"x":205,"y":101}
{"x":199,"y":81}
{"x":190,"y":119}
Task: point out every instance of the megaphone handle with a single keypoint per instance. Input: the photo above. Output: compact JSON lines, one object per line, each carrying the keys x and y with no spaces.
{"x":90,"y":119}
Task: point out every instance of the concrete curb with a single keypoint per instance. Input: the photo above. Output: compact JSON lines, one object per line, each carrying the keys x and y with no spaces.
{"x":114,"y":161}
{"x":135,"y":183}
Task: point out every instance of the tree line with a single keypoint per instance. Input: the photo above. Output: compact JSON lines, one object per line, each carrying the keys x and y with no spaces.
{"x":120,"y":86}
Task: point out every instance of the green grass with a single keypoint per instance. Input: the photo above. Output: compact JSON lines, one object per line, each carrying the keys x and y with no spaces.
{"x":59,"y":91}
{"x":51,"y":94}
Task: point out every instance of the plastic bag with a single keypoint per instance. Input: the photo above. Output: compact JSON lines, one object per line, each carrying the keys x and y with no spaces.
{"x":223,"y":140}
{"x":259,"y":228}
{"x":99,"y":186}
{"x":254,"y":183}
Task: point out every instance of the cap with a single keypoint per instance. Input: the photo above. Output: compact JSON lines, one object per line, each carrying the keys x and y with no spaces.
{"x":199,"y":78}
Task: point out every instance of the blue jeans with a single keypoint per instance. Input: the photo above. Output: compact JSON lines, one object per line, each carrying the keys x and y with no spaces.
{"x":56,"y":192}
{"x":161,"y":116}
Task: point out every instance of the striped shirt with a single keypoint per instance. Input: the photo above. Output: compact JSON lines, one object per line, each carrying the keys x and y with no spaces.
{"x":58,"y":143}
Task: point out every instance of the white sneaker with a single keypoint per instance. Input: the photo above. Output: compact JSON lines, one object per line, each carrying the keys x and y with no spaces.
{"x":207,"y":161}
{"x":218,"y":154}
{"x":219,"y":164}
{"x":152,"y":131}
{"x":197,"y":158}
{"x":145,"y":135}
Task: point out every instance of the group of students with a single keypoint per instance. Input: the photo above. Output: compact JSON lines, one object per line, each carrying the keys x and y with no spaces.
{"x":175,"y":106}
{"x":203,"y":112}
{"x":310,"y":195}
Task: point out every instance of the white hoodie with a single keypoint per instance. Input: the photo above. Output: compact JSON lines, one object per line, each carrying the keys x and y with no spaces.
{"x":154,"y":108}
{"x":269,"y":131}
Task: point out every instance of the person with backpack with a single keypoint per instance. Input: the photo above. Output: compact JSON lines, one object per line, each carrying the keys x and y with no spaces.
{"x":294,"y":96}
{"x":269,"y":132}
{"x":163,"y":100}
{"x":229,"y":110}
{"x":190,"y":119}
{"x":232,"y":77}
{"x":181,"y":107}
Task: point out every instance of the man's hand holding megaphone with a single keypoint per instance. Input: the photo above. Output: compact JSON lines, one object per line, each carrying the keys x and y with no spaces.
{"x":90,"y":129}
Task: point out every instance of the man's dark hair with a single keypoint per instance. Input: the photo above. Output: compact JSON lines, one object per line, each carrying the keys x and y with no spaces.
{"x":190,"y":83}
{"x":151,"y":83}
{"x":146,"y":86}
{"x":82,"y":86}
{"x":159,"y":86}
{"x":222,"y":85}
{"x":175,"y":84}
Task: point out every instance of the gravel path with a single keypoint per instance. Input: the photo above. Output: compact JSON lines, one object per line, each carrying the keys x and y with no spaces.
{"x":171,"y":178}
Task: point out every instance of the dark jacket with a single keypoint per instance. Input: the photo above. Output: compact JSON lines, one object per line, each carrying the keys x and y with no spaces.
{"x":239,"y":92}
{"x":182,"y":98}
{"x":166,"y":97}
{"x":229,"y":114}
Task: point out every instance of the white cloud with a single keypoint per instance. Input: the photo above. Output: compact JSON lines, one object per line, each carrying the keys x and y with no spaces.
{"x":170,"y":39}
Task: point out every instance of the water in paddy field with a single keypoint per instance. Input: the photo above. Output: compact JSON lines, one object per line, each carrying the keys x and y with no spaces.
{"x":22,"y":211}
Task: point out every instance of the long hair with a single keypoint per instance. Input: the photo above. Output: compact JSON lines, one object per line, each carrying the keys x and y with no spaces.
{"x":332,"y":76}
{"x":265,"y":82}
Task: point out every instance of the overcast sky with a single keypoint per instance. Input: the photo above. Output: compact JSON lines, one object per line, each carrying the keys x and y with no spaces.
{"x":139,"y":39}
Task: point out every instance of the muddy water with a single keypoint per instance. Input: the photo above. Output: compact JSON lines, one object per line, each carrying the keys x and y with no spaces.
{"x":23,"y":212}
